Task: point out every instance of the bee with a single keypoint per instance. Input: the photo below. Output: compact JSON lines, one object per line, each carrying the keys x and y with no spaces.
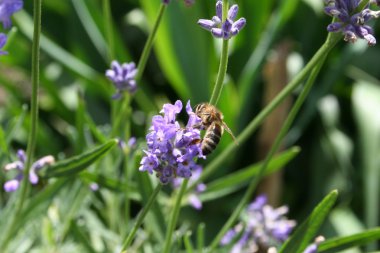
{"x":212,"y":122}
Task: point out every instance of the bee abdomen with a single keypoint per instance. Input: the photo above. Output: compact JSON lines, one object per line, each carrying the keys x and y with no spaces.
{"x":211,"y":138}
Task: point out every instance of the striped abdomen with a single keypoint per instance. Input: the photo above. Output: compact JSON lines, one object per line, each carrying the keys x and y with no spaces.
{"x":212,"y":137}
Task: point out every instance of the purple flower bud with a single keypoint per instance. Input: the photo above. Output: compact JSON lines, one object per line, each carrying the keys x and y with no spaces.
{"x":232,"y":12}
{"x":7,"y":8}
{"x":206,"y":23}
{"x":219,"y":9}
{"x":223,"y":29}
{"x":13,"y":184}
{"x":350,"y":21}
{"x":123,"y":77}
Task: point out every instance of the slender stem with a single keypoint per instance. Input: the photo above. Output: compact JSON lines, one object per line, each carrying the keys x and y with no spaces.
{"x":149,"y":43}
{"x":174,"y":217}
{"x":222,"y":65}
{"x":122,"y":116}
{"x":252,"y":126}
{"x":140,"y":218}
{"x":221,"y":74}
{"x":33,"y":119}
{"x":109,"y":29}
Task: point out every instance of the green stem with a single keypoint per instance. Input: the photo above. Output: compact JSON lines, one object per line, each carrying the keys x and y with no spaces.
{"x":222,"y":65}
{"x":332,"y":39}
{"x":34,"y":122}
{"x":140,"y":218}
{"x":149,"y":43}
{"x":109,"y":29}
{"x":174,"y":217}
{"x":287,"y":124}
{"x":221,"y":74}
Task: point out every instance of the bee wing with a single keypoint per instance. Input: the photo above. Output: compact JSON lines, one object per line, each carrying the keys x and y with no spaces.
{"x":230,"y":132}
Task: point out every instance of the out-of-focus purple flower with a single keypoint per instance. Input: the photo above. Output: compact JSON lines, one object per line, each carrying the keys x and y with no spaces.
{"x":261,"y":227}
{"x":94,"y":187}
{"x":132,"y":142}
{"x":172,"y":148}
{"x":7,"y":8}
{"x":313,"y":248}
{"x":19,"y":165}
{"x":3,"y":40}
{"x":123,"y":77}
{"x":351,"y":22}
{"x":193,"y":197}
{"x":226,"y":29}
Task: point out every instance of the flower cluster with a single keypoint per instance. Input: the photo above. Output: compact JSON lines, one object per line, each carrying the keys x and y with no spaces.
{"x":7,"y":8}
{"x":123,"y":77}
{"x":171,"y":148}
{"x":351,"y":22}
{"x":19,"y":165}
{"x":193,"y":198}
{"x":226,"y":29}
{"x":262,"y":226}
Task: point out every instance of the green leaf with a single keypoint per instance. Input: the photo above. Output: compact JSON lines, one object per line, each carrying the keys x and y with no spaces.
{"x":183,"y":49}
{"x":309,"y":228}
{"x":40,"y":202}
{"x":70,"y":166}
{"x":239,"y":179}
{"x":366,"y":108}
{"x":341,"y":243}
{"x":187,"y":242}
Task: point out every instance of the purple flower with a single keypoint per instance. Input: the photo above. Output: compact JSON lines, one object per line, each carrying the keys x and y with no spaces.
{"x":7,"y":8}
{"x":261,"y":227}
{"x":3,"y":40}
{"x":172,"y":148}
{"x":226,"y":29}
{"x":19,"y":165}
{"x":123,"y":77}
{"x":94,"y":187}
{"x":193,"y":197}
{"x":351,"y":22}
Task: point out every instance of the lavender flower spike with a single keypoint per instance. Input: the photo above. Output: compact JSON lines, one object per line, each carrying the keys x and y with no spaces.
{"x":7,"y":8}
{"x":261,"y":227}
{"x":123,"y":77}
{"x":226,"y":29}
{"x":3,"y":40}
{"x":351,"y":22}
{"x":19,"y":165}
{"x":172,"y":148}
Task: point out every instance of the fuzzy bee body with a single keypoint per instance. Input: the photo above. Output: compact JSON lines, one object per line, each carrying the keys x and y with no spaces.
{"x":212,"y":122}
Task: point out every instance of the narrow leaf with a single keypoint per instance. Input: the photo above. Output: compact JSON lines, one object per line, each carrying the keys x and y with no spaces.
{"x":239,"y":179}
{"x":341,"y":243}
{"x":70,"y":166}
{"x":308,"y":229}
